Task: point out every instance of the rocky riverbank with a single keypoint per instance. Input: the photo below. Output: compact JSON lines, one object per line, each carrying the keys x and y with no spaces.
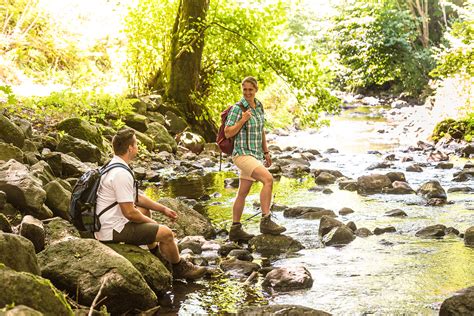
{"x":42,"y":252}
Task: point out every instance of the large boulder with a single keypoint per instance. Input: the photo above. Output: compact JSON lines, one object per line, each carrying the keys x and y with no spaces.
{"x":11,"y":133}
{"x":23,"y":190}
{"x":335,"y":173}
{"x":22,"y":288}
{"x":280,"y":310}
{"x":193,"y":142}
{"x":326,"y":224}
{"x":325,"y":178}
{"x":189,"y":222}
{"x":18,"y":253}
{"x":399,"y":187}
{"x":373,"y":183}
{"x":151,"y":268}
{"x":272,"y":245}
{"x":469,"y":237}
{"x":288,"y":279}
{"x":72,"y":167}
{"x":57,"y":199}
{"x":84,"y":150}
{"x":9,"y":151}
{"x":238,"y":268}
{"x":81,"y":266}
{"x":145,"y":140}
{"x":432,"y":190}
{"x":161,"y":137}
{"x":82,"y":129}
{"x":461,"y":304}
{"x":433,"y":231}
{"x":42,"y":170}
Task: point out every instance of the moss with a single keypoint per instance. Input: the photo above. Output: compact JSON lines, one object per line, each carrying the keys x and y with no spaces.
{"x":460,"y":129}
{"x":81,"y":129}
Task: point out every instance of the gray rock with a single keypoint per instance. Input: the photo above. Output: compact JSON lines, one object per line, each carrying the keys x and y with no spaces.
{"x":11,"y":133}
{"x":326,"y":224}
{"x":325,"y":178}
{"x":84,"y":150}
{"x":238,"y":268}
{"x":399,"y":187}
{"x":363,"y":232}
{"x":22,"y":288}
{"x":335,"y":173}
{"x":433,"y":231}
{"x":469,"y":237}
{"x":373,"y":183}
{"x":338,"y":236}
{"x":145,"y":140}
{"x":461,"y":189}
{"x":241,"y":254}
{"x":22,"y":189}
{"x":58,"y":198}
{"x":151,"y":268}
{"x":226,"y":248}
{"x":194,"y":246}
{"x":32,"y":229}
{"x":156,"y":117}
{"x":396,"y":213}
{"x":54,"y":161}
{"x":307,"y":212}
{"x":464,"y":175}
{"x":414,"y":168}
{"x":191,"y":141}
{"x":189,"y":222}
{"x":461,"y":304}
{"x":80,"y":266}
{"x":432,"y":189}
{"x":396,"y":176}
{"x":23,"y":311}
{"x":444,"y":165}
{"x":352,"y":226}
{"x":18,"y":253}
{"x":388,"y":229}
{"x":286,"y":279}
{"x":269,"y":245}
{"x":43,"y":172}
{"x":9,"y":151}
{"x":72,"y":167}
{"x":380,"y":165}
{"x":280,"y":310}
{"x":348,"y":185}
{"x":345,"y":211}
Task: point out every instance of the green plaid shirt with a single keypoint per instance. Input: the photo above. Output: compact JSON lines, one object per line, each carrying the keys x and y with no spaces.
{"x":251,"y":131}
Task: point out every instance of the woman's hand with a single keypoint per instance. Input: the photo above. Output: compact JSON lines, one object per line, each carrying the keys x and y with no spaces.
{"x":170,"y":213}
{"x":246,"y":116}
{"x":268,"y":160}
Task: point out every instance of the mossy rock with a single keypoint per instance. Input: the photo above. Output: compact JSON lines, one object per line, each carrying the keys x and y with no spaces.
{"x":82,"y":129}
{"x":18,"y":253}
{"x":23,"y":288}
{"x":152,"y":269}
{"x":271,"y":245}
{"x":10,"y":133}
{"x":8,"y":151}
{"x":161,"y":136}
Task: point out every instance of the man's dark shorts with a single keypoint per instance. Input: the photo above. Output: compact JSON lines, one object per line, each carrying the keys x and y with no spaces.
{"x":137,"y":233}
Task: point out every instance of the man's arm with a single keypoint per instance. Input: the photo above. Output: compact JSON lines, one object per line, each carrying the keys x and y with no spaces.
{"x":148,"y":203}
{"x":133,"y":214}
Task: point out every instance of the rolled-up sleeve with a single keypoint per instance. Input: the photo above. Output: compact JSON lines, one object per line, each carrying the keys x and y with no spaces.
{"x":233,"y":116}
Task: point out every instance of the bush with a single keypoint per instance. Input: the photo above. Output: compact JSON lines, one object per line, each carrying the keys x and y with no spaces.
{"x":460,"y":130}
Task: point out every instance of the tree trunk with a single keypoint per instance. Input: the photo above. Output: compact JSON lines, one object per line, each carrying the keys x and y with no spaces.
{"x":184,"y":65}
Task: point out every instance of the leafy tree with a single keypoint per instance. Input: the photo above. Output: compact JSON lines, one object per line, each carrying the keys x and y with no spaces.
{"x":377,"y":50}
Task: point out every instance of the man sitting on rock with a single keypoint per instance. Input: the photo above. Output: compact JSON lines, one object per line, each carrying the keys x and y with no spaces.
{"x":130,"y":221}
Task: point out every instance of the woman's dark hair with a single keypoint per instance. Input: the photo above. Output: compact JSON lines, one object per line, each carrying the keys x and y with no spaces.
{"x":122,"y":140}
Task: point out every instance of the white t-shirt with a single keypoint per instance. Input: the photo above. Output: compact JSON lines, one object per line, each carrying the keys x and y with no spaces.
{"x":117,"y":185}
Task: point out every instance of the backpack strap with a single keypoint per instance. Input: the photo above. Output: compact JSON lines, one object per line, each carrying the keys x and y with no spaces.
{"x":243,"y":109}
{"x":106,"y":168}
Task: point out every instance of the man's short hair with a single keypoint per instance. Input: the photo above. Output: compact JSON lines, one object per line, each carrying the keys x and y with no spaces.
{"x":122,"y":140}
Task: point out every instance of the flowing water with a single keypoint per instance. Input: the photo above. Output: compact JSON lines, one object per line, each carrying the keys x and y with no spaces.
{"x":394,"y":273}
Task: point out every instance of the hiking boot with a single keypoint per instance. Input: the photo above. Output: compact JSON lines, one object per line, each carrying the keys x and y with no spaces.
{"x":267,"y":226}
{"x":238,"y":234}
{"x":186,"y":270}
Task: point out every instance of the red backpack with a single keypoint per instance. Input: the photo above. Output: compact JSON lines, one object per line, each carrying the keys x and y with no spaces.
{"x":226,"y":145}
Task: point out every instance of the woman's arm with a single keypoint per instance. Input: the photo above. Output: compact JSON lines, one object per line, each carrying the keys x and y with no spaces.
{"x":266,"y":153}
{"x":231,"y":131}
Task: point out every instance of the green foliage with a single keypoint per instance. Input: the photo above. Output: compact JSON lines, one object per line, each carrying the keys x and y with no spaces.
{"x":8,"y":97}
{"x":148,"y":27}
{"x":30,"y":40}
{"x":376,"y":43}
{"x":461,"y":129}
{"x":91,"y":106}
{"x":457,"y":57}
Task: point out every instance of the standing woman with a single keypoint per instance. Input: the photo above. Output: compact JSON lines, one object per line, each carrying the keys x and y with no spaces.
{"x":245,"y":122}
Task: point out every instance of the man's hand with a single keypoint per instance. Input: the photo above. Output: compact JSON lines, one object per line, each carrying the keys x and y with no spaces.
{"x":170,"y":213}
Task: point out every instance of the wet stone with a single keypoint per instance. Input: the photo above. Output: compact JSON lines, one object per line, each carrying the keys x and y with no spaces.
{"x":227,"y":248}
{"x":433,"y":231}
{"x":396,"y":213}
{"x":469,"y":237}
{"x":363,"y":232}
{"x":444,"y":165}
{"x":231,"y":182}
{"x":414,"y":168}
{"x":241,"y":254}
{"x":388,"y":229}
{"x":352,"y":226}
{"x":345,"y":211}
{"x":288,"y":279}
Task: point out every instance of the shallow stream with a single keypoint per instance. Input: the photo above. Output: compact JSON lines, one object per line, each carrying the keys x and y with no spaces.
{"x":393,"y":273}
